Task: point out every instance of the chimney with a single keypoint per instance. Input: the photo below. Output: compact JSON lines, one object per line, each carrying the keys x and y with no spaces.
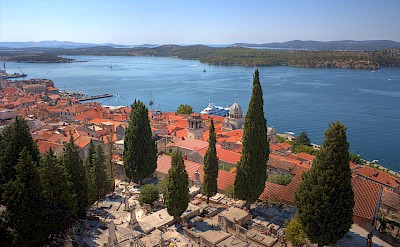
{"x":185,"y":157}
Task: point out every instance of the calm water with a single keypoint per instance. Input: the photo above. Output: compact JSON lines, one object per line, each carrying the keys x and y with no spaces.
{"x":296,"y":99}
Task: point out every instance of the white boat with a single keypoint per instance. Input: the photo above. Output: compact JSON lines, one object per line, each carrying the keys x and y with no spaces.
{"x":214,"y":110}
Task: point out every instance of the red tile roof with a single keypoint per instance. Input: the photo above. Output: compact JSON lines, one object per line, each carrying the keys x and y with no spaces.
{"x":274,"y":147}
{"x":189,"y":144}
{"x":44,"y":146}
{"x":82,"y":141}
{"x":391,"y":199}
{"x":181,"y":123}
{"x":224,"y":179}
{"x":366,"y":198}
{"x":283,"y":162}
{"x":284,"y":194}
{"x":305,"y":156}
{"x":378,"y":176}
{"x":224,"y":155}
{"x":10,"y":90}
{"x":353,"y":165}
{"x":284,"y":145}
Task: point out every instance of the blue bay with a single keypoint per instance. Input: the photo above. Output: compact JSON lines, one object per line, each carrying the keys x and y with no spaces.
{"x":295,"y":99}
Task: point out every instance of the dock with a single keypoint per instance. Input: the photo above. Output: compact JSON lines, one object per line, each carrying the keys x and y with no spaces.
{"x":99,"y":96}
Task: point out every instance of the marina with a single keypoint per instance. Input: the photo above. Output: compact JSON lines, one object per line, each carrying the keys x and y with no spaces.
{"x":99,"y":96}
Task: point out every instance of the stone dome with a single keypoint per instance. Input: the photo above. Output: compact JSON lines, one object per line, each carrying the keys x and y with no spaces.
{"x":235,"y":111}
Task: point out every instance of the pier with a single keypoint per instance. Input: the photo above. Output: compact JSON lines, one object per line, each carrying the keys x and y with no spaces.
{"x":99,"y":96}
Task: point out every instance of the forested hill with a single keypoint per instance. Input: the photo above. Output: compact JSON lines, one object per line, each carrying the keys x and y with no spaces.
{"x":237,"y":56}
{"x":344,"y":45}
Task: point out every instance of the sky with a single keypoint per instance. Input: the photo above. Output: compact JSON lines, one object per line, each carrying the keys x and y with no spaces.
{"x":198,"y":22}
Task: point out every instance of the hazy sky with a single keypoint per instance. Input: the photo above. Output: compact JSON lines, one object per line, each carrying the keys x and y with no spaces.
{"x":202,"y":21}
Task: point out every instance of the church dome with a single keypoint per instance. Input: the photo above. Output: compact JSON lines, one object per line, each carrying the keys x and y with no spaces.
{"x":235,"y":111}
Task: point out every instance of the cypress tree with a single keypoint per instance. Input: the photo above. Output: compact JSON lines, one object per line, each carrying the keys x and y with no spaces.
{"x":77,"y":176}
{"x":89,"y":157}
{"x":209,"y":187}
{"x":325,"y":198}
{"x":58,"y":194}
{"x":177,"y":195}
{"x":140,"y":153}
{"x":251,"y":172}
{"x":102,"y":183}
{"x":14,"y":139}
{"x":88,"y":163}
{"x":5,"y":233}
{"x":23,"y":198}
{"x":109,"y":151}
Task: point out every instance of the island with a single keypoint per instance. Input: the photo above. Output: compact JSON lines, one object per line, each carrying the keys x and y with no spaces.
{"x":233,"y":55}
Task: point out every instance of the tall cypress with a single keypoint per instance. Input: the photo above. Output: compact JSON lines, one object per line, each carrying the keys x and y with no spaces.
{"x":209,"y":186}
{"x":77,"y":176}
{"x":177,"y":194}
{"x":102,"y":183}
{"x":14,"y":139}
{"x":140,"y":153}
{"x":88,"y":164}
{"x":251,"y":173}
{"x":325,"y":198}
{"x":23,"y":198}
{"x":58,"y":195}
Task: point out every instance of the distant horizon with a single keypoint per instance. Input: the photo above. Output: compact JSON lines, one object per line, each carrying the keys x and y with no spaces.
{"x":128,"y":22}
{"x":154,"y":44}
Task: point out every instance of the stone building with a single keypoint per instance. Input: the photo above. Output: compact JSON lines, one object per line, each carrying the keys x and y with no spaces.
{"x":235,"y":119}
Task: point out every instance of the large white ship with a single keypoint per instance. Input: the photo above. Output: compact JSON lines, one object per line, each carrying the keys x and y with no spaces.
{"x":214,"y":110}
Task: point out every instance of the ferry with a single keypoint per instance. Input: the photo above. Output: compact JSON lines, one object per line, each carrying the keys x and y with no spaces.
{"x":214,"y":110}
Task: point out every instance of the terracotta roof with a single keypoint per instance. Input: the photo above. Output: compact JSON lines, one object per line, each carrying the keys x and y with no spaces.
{"x":378,"y":176}
{"x":281,"y":162}
{"x":305,"y":156}
{"x":181,"y":133}
{"x":272,"y":190}
{"x":353,"y":165}
{"x":284,"y":145}
{"x":391,"y":199}
{"x":181,"y":123}
{"x":82,"y":141}
{"x":224,"y":179}
{"x":285,"y":194}
{"x":366,"y":198}
{"x":189,"y":144}
{"x":274,"y":147}
{"x":224,"y":155}
{"x":44,"y":146}
{"x":10,"y":90}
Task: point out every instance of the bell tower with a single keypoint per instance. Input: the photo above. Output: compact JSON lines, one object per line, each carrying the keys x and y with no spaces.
{"x":195,"y":127}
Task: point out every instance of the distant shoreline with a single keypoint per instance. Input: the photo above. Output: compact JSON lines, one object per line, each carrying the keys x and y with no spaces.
{"x":228,"y":56}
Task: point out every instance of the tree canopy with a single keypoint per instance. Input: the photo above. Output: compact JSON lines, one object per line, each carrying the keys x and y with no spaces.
{"x":76,"y":175}
{"x":140,"y":153}
{"x":280,"y":179}
{"x":23,"y":198}
{"x":177,"y":195}
{"x":184,"y":109}
{"x":101,"y":180}
{"x":148,"y":194}
{"x":294,"y":232}
{"x":251,"y":172}
{"x":14,"y":139}
{"x":58,"y":194}
{"x":302,"y":139}
{"x":209,"y":186}
{"x":325,"y":198}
